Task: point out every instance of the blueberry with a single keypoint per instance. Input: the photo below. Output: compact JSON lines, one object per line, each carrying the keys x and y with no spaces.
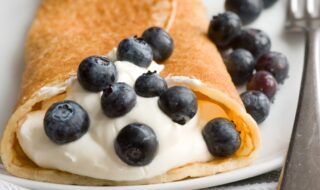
{"x":179,"y":103}
{"x":66,"y":122}
{"x":135,"y":50}
{"x":118,"y":99}
{"x":150,"y":84}
{"x":221,"y":137}
{"x":257,"y":105}
{"x":253,"y":40}
{"x":268,"y":3}
{"x":275,"y":63}
{"x":95,"y":73}
{"x":248,"y":10}
{"x":136,"y":144}
{"x":240,"y":64}
{"x":224,"y":28}
{"x":160,"y":41}
{"x":263,"y":81}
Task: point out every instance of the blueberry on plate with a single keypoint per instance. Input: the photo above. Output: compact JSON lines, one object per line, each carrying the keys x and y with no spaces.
{"x":253,"y":40}
{"x":150,"y":84}
{"x":95,"y":73}
{"x":240,"y":65}
{"x":248,"y":10}
{"x":276,"y":63}
{"x":263,"y":81}
{"x":65,"y":122}
{"x":224,"y":28}
{"x":221,"y":137}
{"x":136,"y":144}
{"x":118,"y":99}
{"x":160,"y":41}
{"x":257,"y":105}
{"x":179,"y":103}
{"x":135,"y":50}
{"x":268,"y":3}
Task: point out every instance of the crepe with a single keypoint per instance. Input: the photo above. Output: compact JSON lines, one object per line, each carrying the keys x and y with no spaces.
{"x":66,"y":31}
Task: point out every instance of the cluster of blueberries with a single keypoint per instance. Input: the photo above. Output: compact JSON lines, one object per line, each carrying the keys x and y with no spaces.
{"x":136,"y":144}
{"x":248,"y":59}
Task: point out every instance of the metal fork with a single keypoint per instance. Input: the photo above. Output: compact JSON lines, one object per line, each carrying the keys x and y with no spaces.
{"x":302,"y":166}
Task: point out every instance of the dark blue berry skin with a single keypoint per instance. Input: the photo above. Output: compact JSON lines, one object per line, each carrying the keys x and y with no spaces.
{"x":150,"y":84}
{"x":248,"y":10}
{"x":221,"y":137}
{"x":95,"y":73}
{"x":160,"y":41}
{"x":257,"y":105}
{"x":263,"y":81}
{"x":276,"y":63}
{"x":179,"y":103}
{"x":253,"y":40}
{"x":136,"y":144}
{"x":66,"y":122}
{"x":135,"y":50}
{"x":240,"y":64}
{"x":224,"y":28}
{"x":118,"y":99}
{"x":268,"y":3}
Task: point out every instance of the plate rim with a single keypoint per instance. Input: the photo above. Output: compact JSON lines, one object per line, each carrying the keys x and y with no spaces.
{"x":194,"y":183}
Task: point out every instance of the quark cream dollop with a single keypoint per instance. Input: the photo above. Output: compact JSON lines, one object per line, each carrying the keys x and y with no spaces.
{"x":93,"y":154}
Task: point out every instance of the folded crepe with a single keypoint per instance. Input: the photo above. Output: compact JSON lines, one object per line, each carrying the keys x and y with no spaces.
{"x":65,"y":31}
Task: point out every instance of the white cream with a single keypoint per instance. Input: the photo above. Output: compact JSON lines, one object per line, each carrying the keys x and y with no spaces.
{"x":93,"y":154}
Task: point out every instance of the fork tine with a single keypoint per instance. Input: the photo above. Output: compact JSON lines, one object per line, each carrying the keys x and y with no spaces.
{"x":293,"y":14}
{"x":317,"y":8}
{"x":290,"y":12}
{"x":291,"y":9}
{"x":307,"y":8}
{"x":310,"y":8}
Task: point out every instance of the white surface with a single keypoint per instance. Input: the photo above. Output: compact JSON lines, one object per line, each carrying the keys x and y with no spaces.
{"x":9,"y":186}
{"x":15,"y":17}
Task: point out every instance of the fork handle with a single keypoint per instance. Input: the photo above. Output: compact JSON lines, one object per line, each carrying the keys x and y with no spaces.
{"x":302,"y":167}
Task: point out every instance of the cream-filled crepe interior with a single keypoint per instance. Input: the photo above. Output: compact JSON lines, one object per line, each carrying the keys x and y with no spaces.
{"x":93,"y":154}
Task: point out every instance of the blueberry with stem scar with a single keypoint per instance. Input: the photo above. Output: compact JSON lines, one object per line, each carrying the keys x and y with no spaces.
{"x":136,"y":144}
{"x":118,"y":99}
{"x":95,"y":73}
{"x":150,"y":84}
{"x":135,"y":50}
{"x":65,"y":122}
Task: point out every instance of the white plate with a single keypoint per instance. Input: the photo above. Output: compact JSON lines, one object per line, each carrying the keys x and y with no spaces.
{"x":15,"y":17}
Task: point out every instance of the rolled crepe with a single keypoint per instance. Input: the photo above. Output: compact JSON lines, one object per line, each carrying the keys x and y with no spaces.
{"x":64,"y":32}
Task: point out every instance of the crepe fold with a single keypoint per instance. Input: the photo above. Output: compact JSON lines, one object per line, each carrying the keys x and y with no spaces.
{"x":66,"y":31}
